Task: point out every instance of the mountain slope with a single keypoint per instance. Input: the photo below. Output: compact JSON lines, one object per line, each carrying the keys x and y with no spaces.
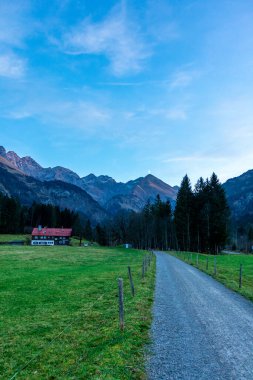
{"x":105,"y":190}
{"x":8,"y":164}
{"x":141,"y":190}
{"x":239,"y":192}
{"x":28,"y":189}
{"x":30,"y":167}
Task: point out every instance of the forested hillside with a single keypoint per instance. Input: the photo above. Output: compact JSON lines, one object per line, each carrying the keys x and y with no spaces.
{"x":15,"y":218}
{"x":200,"y":221}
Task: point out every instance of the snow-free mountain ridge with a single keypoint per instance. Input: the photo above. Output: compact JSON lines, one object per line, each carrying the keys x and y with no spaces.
{"x":103,"y":192}
{"x":112,"y":196}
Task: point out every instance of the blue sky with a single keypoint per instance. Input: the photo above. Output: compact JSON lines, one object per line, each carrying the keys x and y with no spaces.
{"x":126,"y":88}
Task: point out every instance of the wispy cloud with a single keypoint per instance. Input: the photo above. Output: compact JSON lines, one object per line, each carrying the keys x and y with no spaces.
{"x":160,"y":23}
{"x":15,"y":24}
{"x":12,"y":66}
{"x":116,"y":37}
{"x":182,"y":79}
{"x":163,"y":82}
{"x":167,"y":113}
{"x":18,"y":115}
{"x":194,"y":158}
{"x":15,"y":27}
{"x":74,"y":114}
{"x":171,"y":113}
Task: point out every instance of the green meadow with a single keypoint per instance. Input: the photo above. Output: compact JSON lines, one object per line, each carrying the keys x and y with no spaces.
{"x":227,"y":269}
{"x":5,"y":238}
{"x":59,"y":313}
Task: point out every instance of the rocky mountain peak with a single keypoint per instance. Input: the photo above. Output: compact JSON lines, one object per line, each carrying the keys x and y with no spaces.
{"x":27,"y":163}
{"x":104,"y":189}
{"x":106,"y":178}
{"x":30,"y":161}
{"x":13,"y":158}
{"x":89,"y":178}
{"x":2,"y":152}
{"x":150,"y":177}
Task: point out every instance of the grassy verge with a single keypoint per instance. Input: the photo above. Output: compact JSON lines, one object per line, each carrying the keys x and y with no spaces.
{"x":227,"y":269}
{"x":5,"y":238}
{"x":47,"y":290}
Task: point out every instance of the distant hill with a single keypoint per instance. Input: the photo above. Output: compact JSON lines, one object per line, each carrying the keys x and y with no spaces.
{"x":132,"y":195}
{"x":28,"y":189}
{"x":111,"y":195}
{"x":101,"y":196}
{"x":239,"y":192}
{"x":139,"y":191}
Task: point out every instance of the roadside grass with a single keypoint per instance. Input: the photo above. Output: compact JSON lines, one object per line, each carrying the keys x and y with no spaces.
{"x":47,"y":290}
{"x":228,"y":269}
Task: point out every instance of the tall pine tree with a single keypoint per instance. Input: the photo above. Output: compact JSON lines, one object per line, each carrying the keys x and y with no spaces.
{"x":219,"y":213}
{"x":183,"y":215}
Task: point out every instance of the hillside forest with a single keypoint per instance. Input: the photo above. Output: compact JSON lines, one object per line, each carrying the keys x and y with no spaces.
{"x":16,"y":218}
{"x":200,"y":221}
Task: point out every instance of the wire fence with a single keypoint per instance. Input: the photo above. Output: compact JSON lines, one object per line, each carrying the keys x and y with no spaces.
{"x":235,"y":271}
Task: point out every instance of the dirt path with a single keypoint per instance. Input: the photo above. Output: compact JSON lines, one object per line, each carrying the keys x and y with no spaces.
{"x":201,"y":330}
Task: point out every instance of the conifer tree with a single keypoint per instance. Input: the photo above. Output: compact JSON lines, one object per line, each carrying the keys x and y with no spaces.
{"x":201,"y":215}
{"x":88,"y":231}
{"x":183,"y":214}
{"x":219,"y":213}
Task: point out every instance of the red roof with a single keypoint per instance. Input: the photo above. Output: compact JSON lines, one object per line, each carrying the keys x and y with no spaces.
{"x":52,"y":232}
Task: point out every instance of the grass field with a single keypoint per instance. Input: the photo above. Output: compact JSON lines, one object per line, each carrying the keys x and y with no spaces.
{"x":5,"y":238}
{"x":69,"y":295}
{"x":228,"y":269}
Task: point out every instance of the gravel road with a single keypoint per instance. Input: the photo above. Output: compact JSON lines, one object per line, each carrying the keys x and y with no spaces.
{"x":200,"y":330}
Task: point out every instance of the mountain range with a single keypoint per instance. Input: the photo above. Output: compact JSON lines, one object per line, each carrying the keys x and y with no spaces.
{"x":97,"y":197}
{"x":15,"y":183}
{"x":239,"y":192}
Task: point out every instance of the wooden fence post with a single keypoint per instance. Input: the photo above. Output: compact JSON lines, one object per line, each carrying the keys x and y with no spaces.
{"x":131,"y":281}
{"x":143,"y":268}
{"x":146,"y":263}
{"x":207,"y":263}
{"x":215,"y":267}
{"x":121,"y":304}
{"x":191,"y":258}
{"x":240,"y":277}
{"x":197,"y":260}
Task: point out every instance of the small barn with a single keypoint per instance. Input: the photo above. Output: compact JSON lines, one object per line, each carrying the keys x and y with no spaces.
{"x":51,"y":236}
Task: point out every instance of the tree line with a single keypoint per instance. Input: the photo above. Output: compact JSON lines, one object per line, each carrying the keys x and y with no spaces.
{"x":16,"y":218}
{"x":200,"y":221}
{"x":242,"y":236}
{"x":201,"y":216}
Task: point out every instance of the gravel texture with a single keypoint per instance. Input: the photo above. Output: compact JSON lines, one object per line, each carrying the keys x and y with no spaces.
{"x":200,"y":330}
